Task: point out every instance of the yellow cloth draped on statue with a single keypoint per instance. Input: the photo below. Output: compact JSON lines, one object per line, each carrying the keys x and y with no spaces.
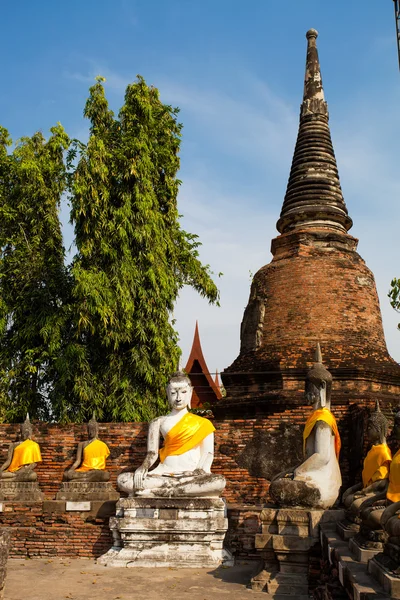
{"x":26,"y":453}
{"x":185,"y":435}
{"x":94,"y":456}
{"x":393,"y":492}
{"x":376,"y":464}
{"x":322,"y":414}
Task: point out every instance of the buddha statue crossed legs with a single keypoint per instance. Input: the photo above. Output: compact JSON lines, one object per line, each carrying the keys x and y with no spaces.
{"x":186,"y":456}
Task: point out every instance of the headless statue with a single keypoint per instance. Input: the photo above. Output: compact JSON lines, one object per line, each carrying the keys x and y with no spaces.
{"x":316,"y":481}
{"x":375,"y":474}
{"x":186,"y":456}
{"x":23,"y":457}
{"x":384,"y":509}
{"x":91,"y":455}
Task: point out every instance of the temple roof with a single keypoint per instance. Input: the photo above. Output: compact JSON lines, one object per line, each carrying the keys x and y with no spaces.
{"x":314,"y":197}
{"x":205,"y":388}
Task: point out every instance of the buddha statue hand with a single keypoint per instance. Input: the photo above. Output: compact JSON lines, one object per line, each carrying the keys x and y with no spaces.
{"x":197,"y":472}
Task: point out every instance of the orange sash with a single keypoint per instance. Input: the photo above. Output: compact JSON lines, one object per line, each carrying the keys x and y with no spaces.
{"x":185,"y":435}
{"x":322,"y":414}
{"x":376,"y":464}
{"x":94,"y":456}
{"x":26,"y":453}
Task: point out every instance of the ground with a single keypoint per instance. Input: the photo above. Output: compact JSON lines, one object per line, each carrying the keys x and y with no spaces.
{"x":83,"y":579}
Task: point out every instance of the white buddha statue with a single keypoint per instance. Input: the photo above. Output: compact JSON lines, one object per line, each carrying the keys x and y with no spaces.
{"x":316,"y":481}
{"x":186,"y":456}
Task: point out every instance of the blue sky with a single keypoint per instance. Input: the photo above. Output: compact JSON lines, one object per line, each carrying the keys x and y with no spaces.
{"x":236,"y":71}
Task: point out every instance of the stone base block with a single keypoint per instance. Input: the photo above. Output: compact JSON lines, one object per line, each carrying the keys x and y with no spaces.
{"x":286,"y":538}
{"x":78,"y":491}
{"x":20,"y":491}
{"x":382,"y":570}
{"x":168,"y":532}
{"x":363,"y":553}
{"x":347,"y":530}
{"x":280,"y":584}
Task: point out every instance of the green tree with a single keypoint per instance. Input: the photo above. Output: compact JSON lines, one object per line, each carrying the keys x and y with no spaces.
{"x":33,"y":279}
{"x":394,"y":295}
{"x":132,"y":258}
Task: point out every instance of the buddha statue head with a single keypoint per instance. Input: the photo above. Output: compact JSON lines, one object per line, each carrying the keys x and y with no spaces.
{"x":93,"y":427}
{"x":319,"y":383}
{"x":179,"y":391}
{"x":26,"y":429}
{"x":377,"y":426}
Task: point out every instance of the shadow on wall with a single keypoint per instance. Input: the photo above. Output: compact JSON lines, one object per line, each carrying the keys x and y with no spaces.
{"x":269,"y":452}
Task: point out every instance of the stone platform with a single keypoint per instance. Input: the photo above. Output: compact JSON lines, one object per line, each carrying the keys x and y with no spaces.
{"x":347,"y":529}
{"x":288,"y":535}
{"x":384,"y":567}
{"x":168,"y":532}
{"x":78,"y":491}
{"x":353,"y":574}
{"x":20,"y":491}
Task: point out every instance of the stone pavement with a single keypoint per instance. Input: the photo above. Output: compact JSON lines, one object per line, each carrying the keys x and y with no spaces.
{"x":83,"y":579}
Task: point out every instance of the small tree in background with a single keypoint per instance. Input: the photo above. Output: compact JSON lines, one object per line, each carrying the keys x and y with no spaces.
{"x":33,"y":278}
{"x":97,"y":335}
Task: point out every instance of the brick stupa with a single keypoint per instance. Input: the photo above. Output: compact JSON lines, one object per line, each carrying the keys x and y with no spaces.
{"x":316,"y":289}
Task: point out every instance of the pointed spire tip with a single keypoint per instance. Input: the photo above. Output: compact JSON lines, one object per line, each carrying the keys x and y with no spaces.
{"x":311,"y":33}
{"x":318,"y":354}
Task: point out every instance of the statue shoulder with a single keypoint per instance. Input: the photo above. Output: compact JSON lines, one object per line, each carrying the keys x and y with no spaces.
{"x":323,"y":426}
{"x":157,"y":422}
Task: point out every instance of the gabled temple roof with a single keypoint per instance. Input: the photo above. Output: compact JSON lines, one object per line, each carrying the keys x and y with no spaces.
{"x":314,"y":197}
{"x":205,"y":388}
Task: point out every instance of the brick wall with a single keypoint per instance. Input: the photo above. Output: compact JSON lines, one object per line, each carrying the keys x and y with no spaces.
{"x":248,"y":452}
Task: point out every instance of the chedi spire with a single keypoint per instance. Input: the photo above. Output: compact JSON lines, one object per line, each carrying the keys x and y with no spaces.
{"x":314,"y":197}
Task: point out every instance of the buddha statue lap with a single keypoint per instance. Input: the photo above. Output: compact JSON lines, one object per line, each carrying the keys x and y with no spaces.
{"x":316,"y":482}
{"x":22,"y":458}
{"x":375,"y":473}
{"x":186,"y":456}
{"x":91,"y":455}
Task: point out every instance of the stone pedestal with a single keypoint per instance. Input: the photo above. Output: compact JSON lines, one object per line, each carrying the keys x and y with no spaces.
{"x":20,"y":491}
{"x":385,"y":568}
{"x":168,"y":532}
{"x":78,"y":491}
{"x":366,"y":543}
{"x":347,"y":529}
{"x":288,"y":535}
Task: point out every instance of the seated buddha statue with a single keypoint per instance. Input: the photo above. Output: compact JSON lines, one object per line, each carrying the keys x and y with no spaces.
{"x":185,"y":457}
{"x":23,"y":457}
{"x":316,"y":481}
{"x":91,"y":455}
{"x":385,"y":511}
{"x":376,"y":467}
